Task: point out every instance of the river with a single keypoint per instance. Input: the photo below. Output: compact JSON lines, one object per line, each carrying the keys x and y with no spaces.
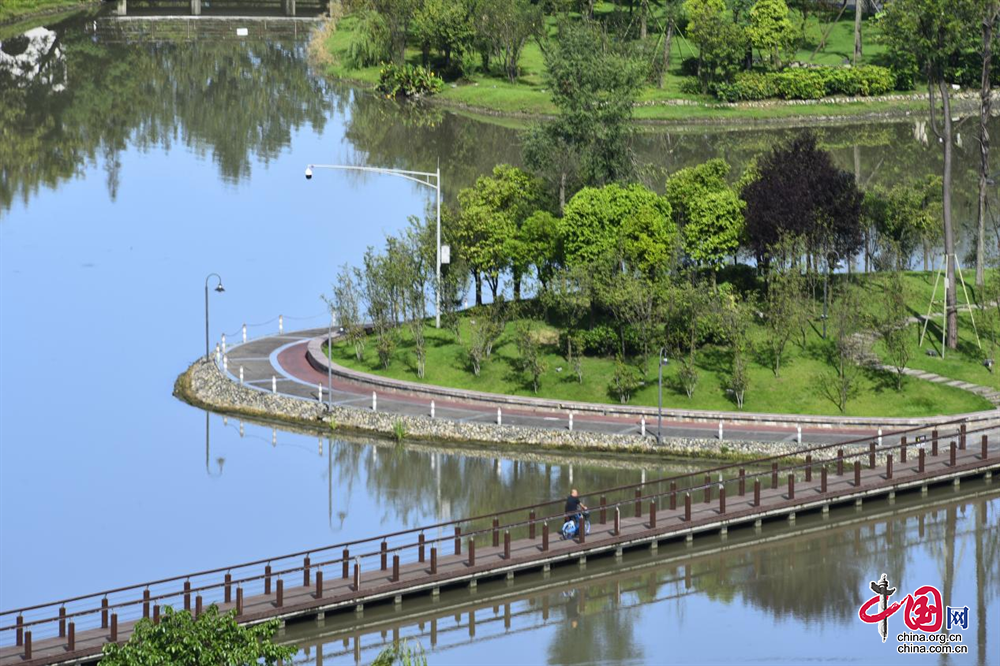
{"x":131,"y":167}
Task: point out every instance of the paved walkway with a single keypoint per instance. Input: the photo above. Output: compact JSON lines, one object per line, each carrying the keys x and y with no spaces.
{"x":282,"y":359}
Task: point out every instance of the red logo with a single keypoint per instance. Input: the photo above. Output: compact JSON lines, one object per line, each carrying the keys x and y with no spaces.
{"x":923,"y":609}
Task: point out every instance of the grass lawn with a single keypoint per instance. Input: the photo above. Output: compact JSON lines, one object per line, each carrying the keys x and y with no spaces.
{"x":796,"y":391}
{"x":528,"y":95}
{"x":11,"y":10}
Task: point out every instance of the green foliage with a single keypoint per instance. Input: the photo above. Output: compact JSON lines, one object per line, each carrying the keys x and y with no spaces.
{"x":770,"y":30}
{"x":369,"y":43}
{"x":210,"y":640}
{"x":902,"y":217}
{"x":530,"y":361}
{"x":707,"y":210}
{"x":784,"y":314}
{"x":399,"y":430}
{"x":807,"y":83}
{"x":890,"y":323}
{"x":631,"y":222}
{"x":408,"y":81}
{"x":447,"y":26}
{"x":624,"y":382}
{"x":840,"y":383}
{"x":505,"y":26}
{"x":721,"y":43}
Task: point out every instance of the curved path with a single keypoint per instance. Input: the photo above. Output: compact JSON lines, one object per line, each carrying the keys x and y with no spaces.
{"x":282,"y":359}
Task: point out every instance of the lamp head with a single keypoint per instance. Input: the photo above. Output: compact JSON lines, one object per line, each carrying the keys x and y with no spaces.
{"x":219,"y":288}
{"x":309,"y":173}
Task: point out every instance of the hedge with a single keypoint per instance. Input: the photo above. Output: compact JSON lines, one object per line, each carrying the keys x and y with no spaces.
{"x":811,"y":83}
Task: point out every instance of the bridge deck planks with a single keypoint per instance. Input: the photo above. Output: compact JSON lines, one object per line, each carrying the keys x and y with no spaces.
{"x":377,"y":584}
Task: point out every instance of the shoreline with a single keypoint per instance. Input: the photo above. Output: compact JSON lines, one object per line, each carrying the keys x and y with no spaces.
{"x":51,"y":10}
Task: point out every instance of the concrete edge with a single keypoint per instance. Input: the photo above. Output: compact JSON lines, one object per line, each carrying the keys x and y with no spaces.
{"x":321,"y":363}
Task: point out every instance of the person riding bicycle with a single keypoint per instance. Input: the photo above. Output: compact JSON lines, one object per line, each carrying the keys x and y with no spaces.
{"x":575,"y":508}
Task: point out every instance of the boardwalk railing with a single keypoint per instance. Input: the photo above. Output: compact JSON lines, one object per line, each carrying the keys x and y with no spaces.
{"x":228,"y":585}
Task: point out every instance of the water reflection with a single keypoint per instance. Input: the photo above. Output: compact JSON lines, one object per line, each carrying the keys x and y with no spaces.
{"x":800,"y":585}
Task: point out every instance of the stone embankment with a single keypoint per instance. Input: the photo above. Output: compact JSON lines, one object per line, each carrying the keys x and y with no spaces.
{"x":204,"y":385}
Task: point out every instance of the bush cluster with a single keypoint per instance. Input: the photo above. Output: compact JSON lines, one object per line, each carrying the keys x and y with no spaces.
{"x":813,"y":83}
{"x":408,"y":81}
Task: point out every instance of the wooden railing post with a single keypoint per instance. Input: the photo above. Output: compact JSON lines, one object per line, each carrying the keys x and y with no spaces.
{"x":305,"y":571}
{"x":62,"y":622}
{"x":384,"y":555}
{"x":228,"y":594}
{"x":187,"y":595}
{"x":951,"y":460}
{"x":756,"y":492}
{"x":920,"y":461}
{"x":857,"y":473}
{"x":618,"y":521}
{"x":545,"y":537}
{"x":743,"y":482}
{"x":20,"y":631}
{"x":319,"y":583}
{"x":345,"y":566}
{"x":71,"y":641}
{"x":239,"y":600}
{"x":791,"y":486}
{"x":422,"y":544}
{"x":888,"y":466}
{"x":840,"y":462}
{"x":434,"y":560}
{"x":638,"y":503}
{"x":581,"y":529}
{"x":458,"y":540}
{"x":506,"y":544}
{"x":822,"y":479}
{"x":774,"y":476}
{"x":902,"y":449}
{"x":673,"y":495}
{"x":961,"y":437}
{"x":114,"y":627}
{"x":722,"y":499}
{"x":986,"y":447}
{"x":267,"y":579}
{"x":357,"y":575}
{"x":652,"y":515}
{"x":809,"y":468}
{"x":472,"y":551}
{"x":395,"y":567}
{"x":687,"y":507}
{"x":708,"y":489}
{"x":871,"y":455}
{"x":496,"y":531}
{"x":279,"y":595}
{"x":531,"y":525}
{"x":145,"y":603}
{"x":156,"y":613}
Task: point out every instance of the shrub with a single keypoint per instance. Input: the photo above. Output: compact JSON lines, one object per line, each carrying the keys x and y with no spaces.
{"x":807,"y":83}
{"x":369,"y":43}
{"x":408,"y":81}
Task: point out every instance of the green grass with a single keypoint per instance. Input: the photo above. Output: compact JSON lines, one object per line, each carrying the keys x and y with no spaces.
{"x":13,"y":10}
{"x":796,"y":391}
{"x":528,"y":95}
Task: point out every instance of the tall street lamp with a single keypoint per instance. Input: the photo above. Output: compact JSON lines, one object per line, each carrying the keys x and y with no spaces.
{"x":219,"y":289}
{"x":663,"y":360}
{"x":421,"y":177}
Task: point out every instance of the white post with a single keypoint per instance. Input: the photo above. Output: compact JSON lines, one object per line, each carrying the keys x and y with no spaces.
{"x":321,"y":446}
{"x":320,"y":395}
{"x":571,"y":474}
{"x":218,"y":355}
{"x":374,"y":402}
{"x":274,"y":436}
{"x":241,"y":428}
{"x":432,"y":409}
{"x":642,"y":426}
{"x":798,"y":434}
{"x":274,"y":384}
{"x":244,"y":333}
{"x":880,"y":436}
{"x":643,"y":476}
{"x":720,"y":431}
{"x":225,"y":363}
{"x":499,"y":417}
{"x":223,"y":344}
{"x":241,"y":375}
{"x":571,"y":421}
{"x":281,"y":324}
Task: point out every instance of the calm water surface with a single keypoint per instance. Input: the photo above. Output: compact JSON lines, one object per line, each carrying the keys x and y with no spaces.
{"x":130,"y":168}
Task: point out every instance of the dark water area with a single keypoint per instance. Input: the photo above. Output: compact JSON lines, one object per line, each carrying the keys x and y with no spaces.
{"x":132,"y":165}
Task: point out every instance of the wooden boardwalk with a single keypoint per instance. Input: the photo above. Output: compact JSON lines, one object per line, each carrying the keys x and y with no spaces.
{"x":332,"y":579}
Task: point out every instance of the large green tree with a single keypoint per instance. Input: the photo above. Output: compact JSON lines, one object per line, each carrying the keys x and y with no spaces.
{"x":771,"y":31}
{"x":721,"y":43}
{"x":935,"y":33}
{"x":630,"y":222}
{"x":505,"y":26}
{"x":208,"y":640}
{"x":708,"y":211}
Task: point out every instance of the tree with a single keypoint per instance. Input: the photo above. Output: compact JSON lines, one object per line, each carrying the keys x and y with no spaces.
{"x":799,"y":192}
{"x":538,"y":239}
{"x":934,"y":33}
{"x":346,"y":304}
{"x":990,"y":26}
{"x":631,"y":300}
{"x":721,"y":43}
{"x":208,"y":640}
{"x":890,"y":321}
{"x":593,"y":82}
{"x":445,"y":25}
{"x":736,"y":317}
{"x":492,"y":211}
{"x":783,"y":312}
{"x":686,"y":307}
{"x":631,"y":222}
{"x":529,"y":356}
{"x":859,"y":8}
{"x":398,"y":16}
{"x":624,"y":382}
{"x":401,"y":653}
{"x":708,"y":212}
{"x":840,"y":384}
{"x":506,"y":25}
{"x":377,"y":283}
{"x":900,"y":218}
{"x":771,"y":31}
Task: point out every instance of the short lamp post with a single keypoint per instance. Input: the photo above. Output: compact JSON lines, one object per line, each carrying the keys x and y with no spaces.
{"x":431,"y":179}
{"x":663,"y":360}
{"x":219,"y":288}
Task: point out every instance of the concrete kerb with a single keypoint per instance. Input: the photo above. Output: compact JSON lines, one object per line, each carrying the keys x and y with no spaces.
{"x":319,"y":361}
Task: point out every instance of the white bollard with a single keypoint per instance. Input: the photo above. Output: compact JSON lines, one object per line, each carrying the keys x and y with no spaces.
{"x":225,"y":420}
{"x":643,"y":481}
{"x":432,"y":409}
{"x":720,"y":431}
{"x":571,"y":475}
{"x":642,"y":426}
{"x":499,"y":417}
{"x":244,"y":333}
{"x":223,"y":344}
{"x":274,"y":384}
{"x":241,"y":428}
{"x":320,"y":392}
{"x":218,"y":354}
{"x":225,"y":363}
{"x":274,"y":436}
{"x":281,"y":324}
{"x":880,"y":436}
{"x":374,"y":402}
{"x":241,"y":375}
{"x":798,"y":434}
{"x":571,"y":421}
{"x":321,"y":446}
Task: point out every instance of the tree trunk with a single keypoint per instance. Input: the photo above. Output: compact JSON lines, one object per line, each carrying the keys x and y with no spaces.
{"x":667,"y":39}
{"x":517,"y":286}
{"x":951,"y":337}
{"x":479,"y":287}
{"x":858,"y":7}
{"x":984,"y":143}
{"x":562,"y":192}
{"x":643,"y":10}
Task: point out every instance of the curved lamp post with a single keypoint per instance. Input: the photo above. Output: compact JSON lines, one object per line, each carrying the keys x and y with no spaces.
{"x":219,"y":288}
{"x":662,"y":361}
{"x":421,"y":177}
